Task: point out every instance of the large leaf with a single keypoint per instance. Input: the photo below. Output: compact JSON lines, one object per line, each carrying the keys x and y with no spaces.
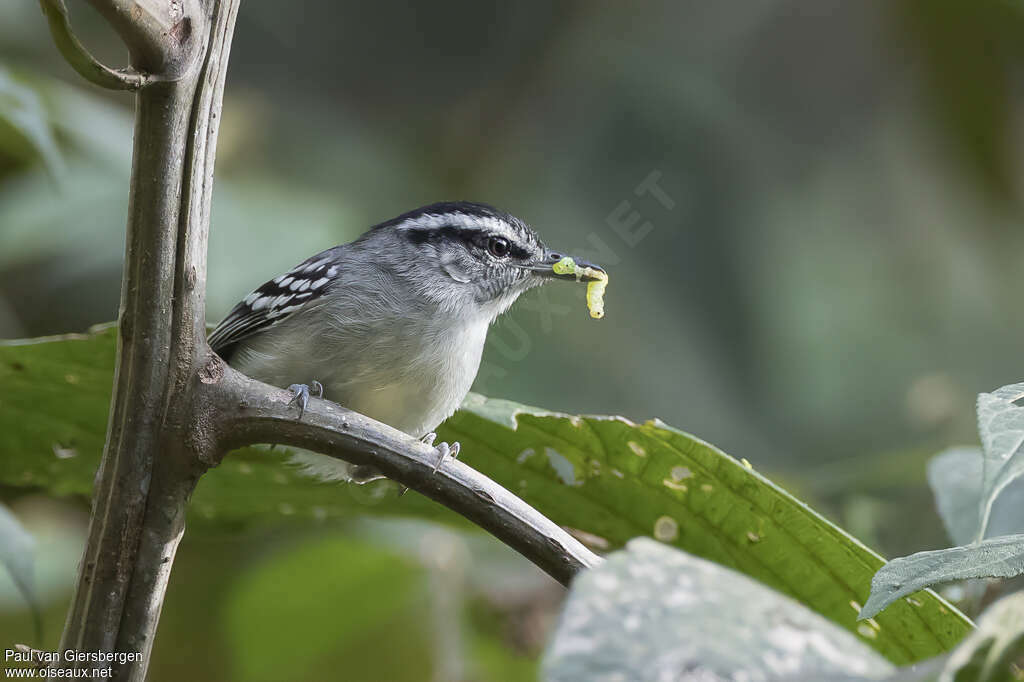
{"x":1001,"y":425}
{"x":994,"y":652}
{"x":615,"y":480}
{"x":54,"y":396}
{"x":608,"y":479}
{"x":955,"y":476}
{"x":1001,"y":557}
{"x":653,"y":613}
{"x":967,"y":483}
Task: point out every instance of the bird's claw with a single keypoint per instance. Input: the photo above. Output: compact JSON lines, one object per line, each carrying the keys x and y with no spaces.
{"x":302,"y":392}
{"x":444,"y":451}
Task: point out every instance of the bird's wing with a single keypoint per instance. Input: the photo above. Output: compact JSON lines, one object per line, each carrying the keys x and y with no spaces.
{"x":275,"y":300}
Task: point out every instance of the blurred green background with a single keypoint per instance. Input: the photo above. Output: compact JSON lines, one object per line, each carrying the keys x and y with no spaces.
{"x":824,"y":279}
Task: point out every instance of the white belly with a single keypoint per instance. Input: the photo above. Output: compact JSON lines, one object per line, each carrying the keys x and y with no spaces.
{"x":411,"y":383}
{"x":418,"y":389}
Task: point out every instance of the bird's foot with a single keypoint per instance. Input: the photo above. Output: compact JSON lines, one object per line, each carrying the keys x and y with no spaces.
{"x":444,"y":451}
{"x":302,"y":392}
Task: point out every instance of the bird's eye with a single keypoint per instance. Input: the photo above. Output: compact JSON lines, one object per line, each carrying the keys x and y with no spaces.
{"x":498,"y":246}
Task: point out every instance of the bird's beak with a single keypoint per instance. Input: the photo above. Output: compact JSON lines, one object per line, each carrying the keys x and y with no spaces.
{"x":544,"y":267}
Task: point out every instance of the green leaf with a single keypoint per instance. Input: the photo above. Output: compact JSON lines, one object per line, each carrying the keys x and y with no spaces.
{"x":98,"y":128}
{"x":1001,"y":425}
{"x":1001,"y":557}
{"x":23,"y":119}
{"x":614,"y":480}
{"x":955,"y":476}
{"x":53,"y":414}
{"x":967,"y":483}
{"x":53,"y":409}
{"x":990,"y":652}
{"x":17,"y":555}
{"x":327,"y":605}
{"x":653,"y":613}
{"x":606,"y":478}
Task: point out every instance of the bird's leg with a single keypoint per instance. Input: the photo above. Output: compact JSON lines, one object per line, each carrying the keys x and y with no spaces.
{"x":444,"y":451}
{"x":301,"y":396}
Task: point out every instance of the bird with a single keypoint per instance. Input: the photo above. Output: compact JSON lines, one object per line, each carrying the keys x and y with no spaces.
{"x":393,"y":324}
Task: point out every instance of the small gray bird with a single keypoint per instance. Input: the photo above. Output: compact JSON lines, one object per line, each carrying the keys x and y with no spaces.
{"x":393,"y":324}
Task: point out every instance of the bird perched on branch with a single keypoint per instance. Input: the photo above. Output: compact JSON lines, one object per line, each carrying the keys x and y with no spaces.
{"x":393,"y":324}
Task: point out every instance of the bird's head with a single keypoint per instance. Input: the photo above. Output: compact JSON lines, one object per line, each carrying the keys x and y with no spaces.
{"x":469,"y":257}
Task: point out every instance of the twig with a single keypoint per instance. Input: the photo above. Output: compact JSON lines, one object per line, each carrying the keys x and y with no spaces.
{"x":250,"y":412}
{"x":80,"y":59}
{"x":158,"y":33}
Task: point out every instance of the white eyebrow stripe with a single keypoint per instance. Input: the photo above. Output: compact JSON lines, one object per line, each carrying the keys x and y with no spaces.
{"x":432,"y":221}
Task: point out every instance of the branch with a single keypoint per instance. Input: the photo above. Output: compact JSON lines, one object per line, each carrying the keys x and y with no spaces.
{"x":150,"y":462}
{"x":144,"y":375}
{"x":79,"y":58}
{"x":178,"y":468}
{"x":158,"y":33}
{"x":250,"y":412}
